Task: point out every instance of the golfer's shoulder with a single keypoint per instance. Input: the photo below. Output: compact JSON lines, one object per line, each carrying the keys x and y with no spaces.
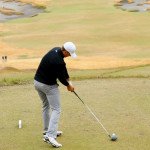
{"x":52,"y":54}
{"x":56,"y":56}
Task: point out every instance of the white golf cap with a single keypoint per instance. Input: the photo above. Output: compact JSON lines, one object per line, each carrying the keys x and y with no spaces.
{"x":71,"y":48}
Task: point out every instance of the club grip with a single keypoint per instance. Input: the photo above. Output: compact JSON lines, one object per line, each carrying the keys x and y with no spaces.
{"x":78,"y":97}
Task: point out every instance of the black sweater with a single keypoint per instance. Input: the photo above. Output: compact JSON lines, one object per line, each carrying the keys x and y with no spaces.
{"x":52,"y":67}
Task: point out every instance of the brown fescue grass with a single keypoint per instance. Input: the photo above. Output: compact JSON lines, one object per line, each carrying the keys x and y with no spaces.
{"x":81,"y":62}
{"x":9,"y":12}
{"x":37,"y":3}
{"x":8,"y":70}
{"x":13,"y":52}
{"x":103,"y":39}
{"x":130,"y":1}
{"x":148,"y":9}
{"x":118,"y":1}
{"x":148,"y":2}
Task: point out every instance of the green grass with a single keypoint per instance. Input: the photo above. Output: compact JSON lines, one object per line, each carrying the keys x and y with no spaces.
{"x":129,"y":72}
{"x":122,"y":106}
{"x":16,"y":77}
{"x":12,"y":77}
{"x":22,"y":77}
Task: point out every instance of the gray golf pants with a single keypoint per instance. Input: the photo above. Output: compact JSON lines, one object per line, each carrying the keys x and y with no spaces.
{"x":50,"y":97}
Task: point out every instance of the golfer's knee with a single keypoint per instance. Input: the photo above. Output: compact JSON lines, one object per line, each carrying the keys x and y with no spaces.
{"x":57,"y":110}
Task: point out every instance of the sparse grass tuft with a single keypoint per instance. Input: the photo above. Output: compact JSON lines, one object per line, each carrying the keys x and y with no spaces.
{"x":16,"y":77}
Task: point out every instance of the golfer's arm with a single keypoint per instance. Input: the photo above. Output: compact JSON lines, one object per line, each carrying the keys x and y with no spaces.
{"x":63,"y":75}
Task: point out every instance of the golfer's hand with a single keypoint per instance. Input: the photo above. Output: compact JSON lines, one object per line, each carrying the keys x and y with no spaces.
{"x":70,"y":88}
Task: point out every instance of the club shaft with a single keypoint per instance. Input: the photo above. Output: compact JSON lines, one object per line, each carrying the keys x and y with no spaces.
{"x":78,"y":97}
{"x":96,"y":118}
{"x":92,"y":114}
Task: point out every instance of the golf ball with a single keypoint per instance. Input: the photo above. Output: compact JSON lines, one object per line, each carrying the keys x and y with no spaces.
{"x":113,"y":137}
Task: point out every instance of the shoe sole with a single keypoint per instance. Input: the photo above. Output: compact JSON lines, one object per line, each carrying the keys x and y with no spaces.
{"x":56,"y":146}
{"x":47,"y":141}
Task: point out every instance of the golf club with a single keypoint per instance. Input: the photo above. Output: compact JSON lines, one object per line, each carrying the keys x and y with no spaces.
{"x":113,"y":137}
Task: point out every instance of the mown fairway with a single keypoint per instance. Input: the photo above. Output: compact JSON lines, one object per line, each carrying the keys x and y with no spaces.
{"x":122,"y":105}
{"x":106,"y":37}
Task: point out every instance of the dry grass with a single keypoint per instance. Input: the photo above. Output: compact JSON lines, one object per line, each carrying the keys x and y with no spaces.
{"x":13,"y":52}
{"x":38,"y":3}
{"x":148,"y":9}
{"x":118,"y":1}
{"x":130,"y":1}
{"x":148,"y":2}
{"x":9,"y":12}
{"x":99,"y":62}
{"x":82,"y":62}
{"x":8,"y":0}
{"x":126,"y":43}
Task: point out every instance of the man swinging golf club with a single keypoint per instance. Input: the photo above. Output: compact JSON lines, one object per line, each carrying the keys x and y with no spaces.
{"x":51,"y":68}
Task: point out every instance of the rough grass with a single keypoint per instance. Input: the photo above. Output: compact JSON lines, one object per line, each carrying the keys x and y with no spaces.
{"x":12,"y":76}
{"x":122,"y":105}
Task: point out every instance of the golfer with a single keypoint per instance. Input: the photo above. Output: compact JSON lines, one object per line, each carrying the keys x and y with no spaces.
{"x":51,"y":68}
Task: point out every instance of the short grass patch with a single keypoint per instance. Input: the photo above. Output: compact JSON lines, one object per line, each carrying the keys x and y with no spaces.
{"x":122,"y":105}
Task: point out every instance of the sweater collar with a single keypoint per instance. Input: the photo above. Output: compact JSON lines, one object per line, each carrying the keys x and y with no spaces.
{"x":61,"y":53}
